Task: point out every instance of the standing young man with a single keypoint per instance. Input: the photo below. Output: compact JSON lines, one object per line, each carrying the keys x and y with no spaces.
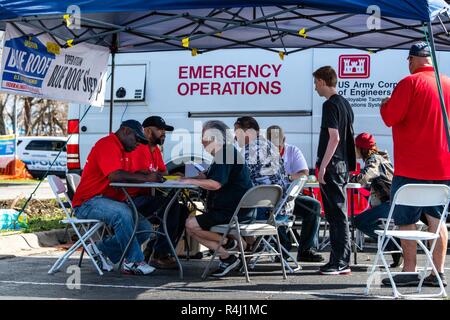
{"x":335,"y":158}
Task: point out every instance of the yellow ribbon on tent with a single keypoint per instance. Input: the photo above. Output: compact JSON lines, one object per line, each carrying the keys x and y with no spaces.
{"x":185,"y":42}
{"x":194,"y":52}
{"x":281,"y":54}
{"x":70,"y":42}
{"x":67,"y":19}
{"x":302,"y":33}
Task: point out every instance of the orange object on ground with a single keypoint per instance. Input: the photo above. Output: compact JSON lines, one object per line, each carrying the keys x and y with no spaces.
{"x":15,"y":170}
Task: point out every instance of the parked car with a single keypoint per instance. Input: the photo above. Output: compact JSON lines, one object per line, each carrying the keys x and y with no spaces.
{"x":38,"y":153}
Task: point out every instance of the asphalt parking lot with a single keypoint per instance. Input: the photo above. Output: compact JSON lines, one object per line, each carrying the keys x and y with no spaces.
{"x":27,"y":278}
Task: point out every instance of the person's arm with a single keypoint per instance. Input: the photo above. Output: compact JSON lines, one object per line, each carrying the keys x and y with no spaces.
{"x":299,"y":164}
{"x":136,"y":177}
{"x":207,"y":184}
{"x":370,"y":171}
{"x":297,"y":175}
{"x":333,"y":142}
{"x":395,"y":108}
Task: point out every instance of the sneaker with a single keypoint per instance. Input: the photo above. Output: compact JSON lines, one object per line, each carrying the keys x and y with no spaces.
{"x":403,"y":280}
{"x":137,"y":268}
{"x":163,"y":262}
{"x":397,"y":260}
{"x":335,"y":269}
{"x":101,"y":260}
{"x":226,"y":266}
{"x":309,"y":256}
{"x":432,"y":281}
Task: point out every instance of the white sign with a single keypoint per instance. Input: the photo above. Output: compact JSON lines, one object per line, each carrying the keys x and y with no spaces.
{"x":37,"y":66}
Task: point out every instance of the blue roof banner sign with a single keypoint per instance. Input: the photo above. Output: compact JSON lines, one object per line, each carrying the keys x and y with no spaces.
{"x":38,"y":66}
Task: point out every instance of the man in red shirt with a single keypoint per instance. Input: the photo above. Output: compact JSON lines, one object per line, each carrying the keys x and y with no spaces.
{"x":148,"y":158}
{"x":421,"y":153}
{"x":95,"y":199}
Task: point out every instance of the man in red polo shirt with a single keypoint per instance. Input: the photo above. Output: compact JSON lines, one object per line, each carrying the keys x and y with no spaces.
{"x":148,"y":158}
{"x":421,"y":153}
{"x":94,"y":198}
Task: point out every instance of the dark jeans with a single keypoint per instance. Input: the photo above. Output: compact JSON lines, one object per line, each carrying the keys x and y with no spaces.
{"x":333,"y":199}
{"x":308,"y":209}
{"x":150,"y":206}
{"x":368,"y":222}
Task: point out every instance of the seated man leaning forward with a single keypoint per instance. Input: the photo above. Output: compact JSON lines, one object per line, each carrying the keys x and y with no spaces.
{"x":96,"y":199}
{"x":148,"y":158}
{"x":226,"y":181}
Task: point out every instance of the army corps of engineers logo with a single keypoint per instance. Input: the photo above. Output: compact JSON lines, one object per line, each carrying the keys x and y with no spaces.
{"x":354,"y":66}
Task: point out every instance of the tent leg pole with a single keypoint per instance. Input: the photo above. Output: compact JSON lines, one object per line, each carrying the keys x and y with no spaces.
{"x":438,"y":81}
{"x":111,"y":96}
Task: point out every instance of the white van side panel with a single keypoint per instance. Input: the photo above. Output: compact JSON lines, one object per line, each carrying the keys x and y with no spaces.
{"x":167,"y":72}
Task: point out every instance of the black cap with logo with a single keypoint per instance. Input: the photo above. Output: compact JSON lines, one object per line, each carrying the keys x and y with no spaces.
{"x":420,"y":49}
{"x":137,"y":128}
{"x":155,"y":121}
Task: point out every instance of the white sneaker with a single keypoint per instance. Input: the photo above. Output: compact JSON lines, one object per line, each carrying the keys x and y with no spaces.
{"x":102,"y":261}
{"x":137,"y":268}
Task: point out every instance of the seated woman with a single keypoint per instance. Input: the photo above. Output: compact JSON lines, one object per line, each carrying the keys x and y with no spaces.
{"x":378,"y":172}
{"x":226,"y":181}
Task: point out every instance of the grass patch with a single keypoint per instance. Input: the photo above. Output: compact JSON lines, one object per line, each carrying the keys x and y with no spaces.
{"x":43,"y":215}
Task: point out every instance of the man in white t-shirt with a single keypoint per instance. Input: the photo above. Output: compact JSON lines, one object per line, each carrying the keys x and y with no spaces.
{"x":306,"y":208}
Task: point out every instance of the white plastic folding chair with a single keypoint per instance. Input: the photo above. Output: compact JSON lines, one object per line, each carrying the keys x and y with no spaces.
{"x":286,"y":221}
{"x":74,"y":180}
{"x":414,"y":195}
{"x":85,"y":229}
{"x":264,"y":196}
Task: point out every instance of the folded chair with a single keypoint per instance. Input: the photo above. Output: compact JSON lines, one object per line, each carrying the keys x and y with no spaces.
{"x":286,"y":221}
{"x":264,"y":196}
{"x":415,"y":195}
{"x":85,"y":229}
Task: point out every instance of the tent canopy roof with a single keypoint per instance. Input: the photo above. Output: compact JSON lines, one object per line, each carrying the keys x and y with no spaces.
{"x":154,"y":25}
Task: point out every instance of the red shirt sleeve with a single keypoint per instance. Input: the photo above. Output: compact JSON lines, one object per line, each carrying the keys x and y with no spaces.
{"x":395,"y":110}
{"x":160,"y":165}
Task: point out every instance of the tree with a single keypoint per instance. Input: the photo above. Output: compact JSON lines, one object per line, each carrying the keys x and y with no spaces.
{"x":4,"y":97}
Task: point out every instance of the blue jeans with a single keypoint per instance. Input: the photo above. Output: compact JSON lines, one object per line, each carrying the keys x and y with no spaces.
{"x":120,"y":217}
{"x":367,"y":222}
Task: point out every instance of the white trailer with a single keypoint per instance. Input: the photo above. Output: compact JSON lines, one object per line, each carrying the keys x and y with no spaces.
{"x":226,"y":84}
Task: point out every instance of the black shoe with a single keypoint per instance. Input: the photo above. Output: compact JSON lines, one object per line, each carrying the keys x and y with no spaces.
{"x":226,"y":266}
{"x":335,"y":269}
{"x":403,"y":280}
{"x":397,"y":260}
{"x":309,"y":256}
{"x":432,"y":281}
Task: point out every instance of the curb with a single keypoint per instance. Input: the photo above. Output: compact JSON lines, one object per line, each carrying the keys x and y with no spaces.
{"x":31,"y":243}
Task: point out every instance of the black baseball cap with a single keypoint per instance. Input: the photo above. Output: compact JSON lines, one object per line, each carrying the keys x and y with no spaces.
{"x":420,"y":49}
{"x":137,"y":128}
{"x":155,"y":121}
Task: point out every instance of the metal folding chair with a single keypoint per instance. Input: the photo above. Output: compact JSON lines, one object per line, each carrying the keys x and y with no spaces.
{"x":85,"y":229}
{"x":264,"y":196}
{"x":415,"y":195}
{"x":286,"y":221}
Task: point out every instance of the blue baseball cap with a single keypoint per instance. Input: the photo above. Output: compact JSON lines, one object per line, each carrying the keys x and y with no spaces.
{"x":420,"y":49}
{"x":137,"y":128}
